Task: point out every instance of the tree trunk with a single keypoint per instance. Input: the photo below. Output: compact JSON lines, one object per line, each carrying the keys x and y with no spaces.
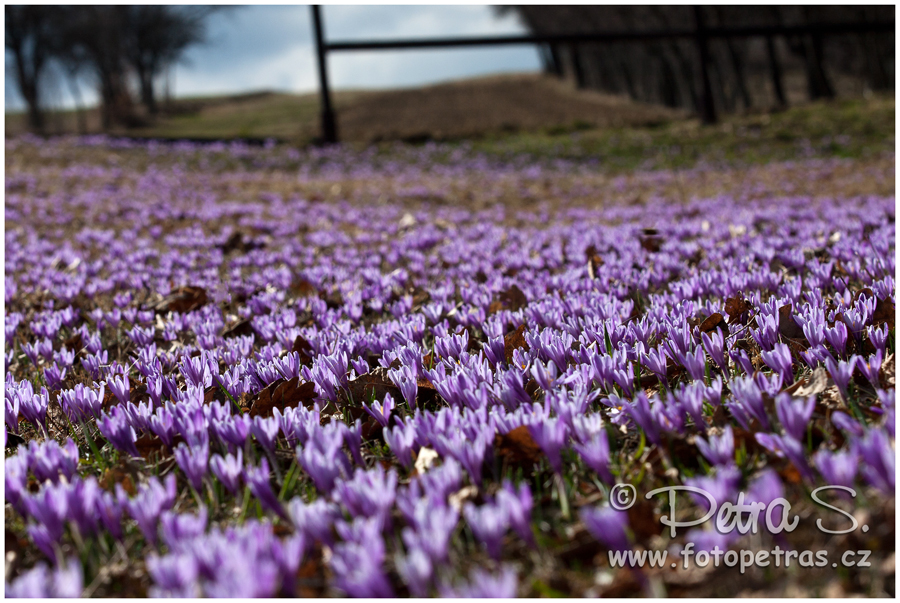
{"x":148,"y":96}
{"x":29,"y":89}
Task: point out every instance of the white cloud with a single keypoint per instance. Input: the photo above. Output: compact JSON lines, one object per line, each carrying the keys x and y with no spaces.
{"x":270,"y":48}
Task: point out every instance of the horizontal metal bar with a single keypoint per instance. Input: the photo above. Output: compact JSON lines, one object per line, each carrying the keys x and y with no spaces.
{"x":612,"y":36}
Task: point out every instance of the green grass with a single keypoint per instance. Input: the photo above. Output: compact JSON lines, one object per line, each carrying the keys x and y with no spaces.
{"x":852,"y":128}
{"x":855,"y":128}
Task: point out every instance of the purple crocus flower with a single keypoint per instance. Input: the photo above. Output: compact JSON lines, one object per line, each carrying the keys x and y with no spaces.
{"x":878,"y":460}
{"x":12,"y":408}
{"x":837,"y":337}
{"x":257,"y":479}
{"x":81,"y":402}
{"x":779,"y":360}
{"x":119,"y":386}
{"x":607,"y":525}
{"x":655,"y":360}
{"x":483,"y":585}
{"x":595,"y":454}
{"x":639,"y":410}
{"x":162,"y":423}
{"x":49,"y":459}
{"x":416,"y":570}
{"x":381,"y":412}
{"x":34,"y":406}
{"x":314,"y":520}
{"x":401,"y":439}
{"x":15,"y":479}
{"x":265,"y":430}
{"x":841,"y":372}
{"x":353,"y":440}
{"x":719,"y":450}
{"x":786,"y":447}
{"x":838,"y":468}
{"x":228,"y":470}
{"x":174,"y":575}
{"x":767,"y":334}
{"x":765,"y":488}
{"x":109,"y":512}
{"x":845,"y":422}
{"x":714,"y":344}
{"x":49,"y":507}
{"x":116,"y":428}
{"x":550,"y":435}
{"x":179,"y":526}
{"x":722,"y":486}
{"x":741,"y":358}
{"x":433,"y":524}
{"x":193,"y":461}
{"x":84,"y":501}
{"x":794,"y":414}
{"x":695,"y":364}
{"x":871,"y":368}
{"x":878,"y":336}
{"x":152,"y":498}
{"x":518,"y":503}
{"x":405,"y":378}
{"x":233,"y":430}
{"x":368,"y":494}
{"x":489,"y":523}
{"x":63,"y":582}
{"x":357,"y":561}
{"x":54,"y":376}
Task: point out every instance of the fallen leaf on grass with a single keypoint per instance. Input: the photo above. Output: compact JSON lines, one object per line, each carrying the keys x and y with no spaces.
{"x":518,"y":447}
{"x":242,"y":328}
{"x":643,"y":520}
{"x":301,"y":287}
{"x":238,"y":242}
{"x":884,"y":313}
{"x":374,"y":385}
{"x":594,"y":261}
{"x":425,"y":459}
{"x":182,"y":299}
{"x":149,"y":445}
{"x":513,"y":341}
{"x":117,"y":475}
{"x":282,"y":394}
{"x":651,"y":240}
{"x":816,"y":383}
{"x":457,"y":499}
{"x":736,"y":307}
{"x":304,"y":348}
{"x":511,"y":299}
{"x":713,"y":321}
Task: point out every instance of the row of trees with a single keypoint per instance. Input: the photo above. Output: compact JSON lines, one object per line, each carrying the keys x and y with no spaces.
{"x":744,"y":72}
{"x":115,"y":46}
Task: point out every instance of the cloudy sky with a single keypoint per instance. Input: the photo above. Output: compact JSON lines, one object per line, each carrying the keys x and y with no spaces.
{"x":271,"y":48}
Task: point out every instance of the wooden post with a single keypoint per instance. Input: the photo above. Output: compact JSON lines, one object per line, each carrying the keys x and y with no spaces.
{"x":577,"y":67}
{"x":707,"y":107}
{"x":329,"y":128}
{"x":775,"y":67}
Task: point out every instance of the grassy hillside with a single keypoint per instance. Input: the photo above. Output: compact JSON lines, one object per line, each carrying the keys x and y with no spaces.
{"x":517,"y":114}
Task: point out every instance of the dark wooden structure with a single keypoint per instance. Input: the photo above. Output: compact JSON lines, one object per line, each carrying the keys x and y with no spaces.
{"x":701,"y":34}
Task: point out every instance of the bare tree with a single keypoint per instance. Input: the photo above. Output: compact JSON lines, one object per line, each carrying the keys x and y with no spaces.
{"x":155,"y":38}
{"x":30,"y":39}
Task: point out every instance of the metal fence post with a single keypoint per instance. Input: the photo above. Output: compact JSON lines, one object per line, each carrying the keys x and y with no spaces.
{"x":329,"y":128}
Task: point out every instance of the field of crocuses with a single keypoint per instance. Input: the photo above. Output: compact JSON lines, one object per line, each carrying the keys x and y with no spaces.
{"x":422,"y":371}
